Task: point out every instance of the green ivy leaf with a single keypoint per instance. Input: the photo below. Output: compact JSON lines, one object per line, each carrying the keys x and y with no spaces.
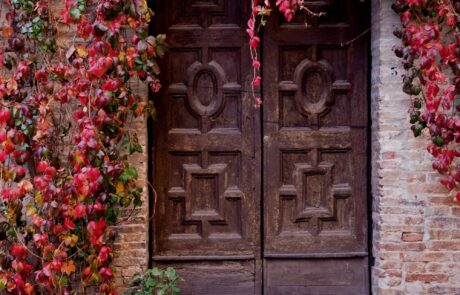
{"x":75,"y":13}
{"x":130,"y":173}
{"x":437,"y":140}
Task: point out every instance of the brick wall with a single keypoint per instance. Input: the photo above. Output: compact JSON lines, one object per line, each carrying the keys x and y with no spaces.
{"x":416,"y":226}
{"x":131,"y":247}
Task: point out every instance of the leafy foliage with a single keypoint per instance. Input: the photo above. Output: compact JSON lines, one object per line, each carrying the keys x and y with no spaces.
{"x":430,"y":51}
{"x":155,"y":281}
{"x":64,"y":136}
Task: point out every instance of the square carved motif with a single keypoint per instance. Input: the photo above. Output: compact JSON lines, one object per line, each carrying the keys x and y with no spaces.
{"x":206,"y":194}
{"x":312,"y":193}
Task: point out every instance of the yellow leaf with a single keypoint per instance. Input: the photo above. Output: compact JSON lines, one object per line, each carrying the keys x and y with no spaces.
{"x":39,"y":198}
{"x":31,"y":210}
{"x":71,"y":241}
{"x":120,"y":187}
{"x":81,"y":51}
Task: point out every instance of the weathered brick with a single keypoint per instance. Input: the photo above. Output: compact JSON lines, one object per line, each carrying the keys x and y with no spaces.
{"x":427,"y":278}
{"x":411,"y":237}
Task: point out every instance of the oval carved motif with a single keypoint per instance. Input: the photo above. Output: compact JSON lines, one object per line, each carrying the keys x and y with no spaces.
{"x":205,"y":87}
{"x":314,"y":87}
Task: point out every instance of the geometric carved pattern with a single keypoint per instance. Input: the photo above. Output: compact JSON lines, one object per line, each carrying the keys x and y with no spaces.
{"x":205,"y":89}
{"x":314,"y":194}
{"x":314,"y":88}
{"x":205,"y":193}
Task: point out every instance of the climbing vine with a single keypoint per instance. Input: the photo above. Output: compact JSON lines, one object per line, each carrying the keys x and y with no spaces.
{"x":261,"y":10}
{"x":65,"y":136}
{"x":430,"y":52}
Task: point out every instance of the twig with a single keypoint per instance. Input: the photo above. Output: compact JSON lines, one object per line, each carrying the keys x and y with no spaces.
{"x":355,"y":38}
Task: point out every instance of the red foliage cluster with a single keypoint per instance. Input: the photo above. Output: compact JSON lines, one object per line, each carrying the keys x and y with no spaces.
{"x":64,"y":139}
{"x":430,"y":51}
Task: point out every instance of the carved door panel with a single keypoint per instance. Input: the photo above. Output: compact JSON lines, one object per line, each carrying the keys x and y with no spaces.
{"x":206,"y":149}
{"x":315,"y":152}
{"x":306,"y":233}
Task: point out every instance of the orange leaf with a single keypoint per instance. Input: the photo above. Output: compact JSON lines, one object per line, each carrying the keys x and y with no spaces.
{"x":120,"y":187}
{"x":7,"y":31}
{"x":12,"y":85}
{"x":68,"y":267}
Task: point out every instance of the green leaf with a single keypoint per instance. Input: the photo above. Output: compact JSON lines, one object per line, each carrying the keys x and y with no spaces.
{"x":171,"y":273}
{"x":128,"y":174}
{"x":2,"y":284}
{"x":437,"y":140}
{"x":417,"y":131}
{"x":112,"y":214}
{"x":75,"y":13}
{"x":160,"y":45}
{"x":63,"y":281}
{"x":137,"y":200}
{"x":151,"y":283}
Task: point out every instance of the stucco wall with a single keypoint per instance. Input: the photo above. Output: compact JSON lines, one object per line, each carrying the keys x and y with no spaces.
{"x":416,"y":226}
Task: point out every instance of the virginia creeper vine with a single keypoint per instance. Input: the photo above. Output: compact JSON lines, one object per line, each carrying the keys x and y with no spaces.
{"x":261,"y":10}
{"x":430,"y":52}
{"x":64,"y":137}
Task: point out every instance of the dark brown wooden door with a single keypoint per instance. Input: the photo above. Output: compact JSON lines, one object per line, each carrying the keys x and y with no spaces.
{"x":206,"y":150}
{"x":270,"y":200}
{"x":315,"y":152}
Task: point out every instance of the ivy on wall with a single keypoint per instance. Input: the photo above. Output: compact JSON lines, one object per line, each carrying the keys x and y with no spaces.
{"x":64,"y":137}
{"x":430,"y":52}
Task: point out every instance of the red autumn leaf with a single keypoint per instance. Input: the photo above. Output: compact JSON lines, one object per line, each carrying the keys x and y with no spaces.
{"x":80,"y":211}
{"x":19,"y":251}
{"x":106,"y":273}
{"x":69,"y":224}
{"x":104,"y":253}
{"x":96,"y":230}
{"x":41,"y":166}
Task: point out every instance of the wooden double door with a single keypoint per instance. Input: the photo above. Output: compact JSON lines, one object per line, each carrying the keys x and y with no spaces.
{"x":269,"y":200}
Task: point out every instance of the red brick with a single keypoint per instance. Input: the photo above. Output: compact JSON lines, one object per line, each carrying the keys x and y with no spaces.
{"x":412,"y":237}
{"x":445,"y":245}
{"x":388,"y":155}
{"x":427,"y":278}
{"x":415,"y":246}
